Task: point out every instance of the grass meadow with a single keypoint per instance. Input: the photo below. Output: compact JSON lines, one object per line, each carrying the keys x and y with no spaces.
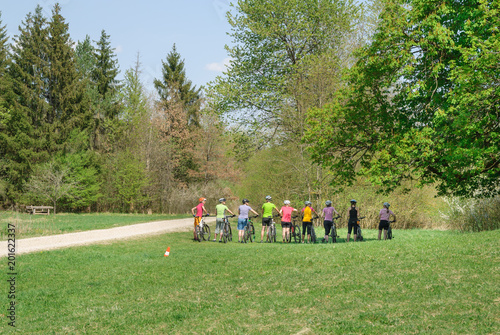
{"x":421,"y":282}
{"x":39,"y":225}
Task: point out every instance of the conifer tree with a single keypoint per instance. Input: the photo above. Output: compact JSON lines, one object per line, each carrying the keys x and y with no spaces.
{"x":5,"y":86}
{"x":27,"y":139}
{"x":105,"y":74}
{"x":65,"y":90}
{"x":176,"y":88}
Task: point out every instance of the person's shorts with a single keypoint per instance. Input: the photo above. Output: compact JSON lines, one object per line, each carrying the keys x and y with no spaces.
{"x":350,"y":225}
{"x":266,"y":221}
{"x":306,"y":226}
{"x":328,"y":225}
{"x":219,"y":225}
{"x":384,"y":224}
{"x":242,"y":223}
{"x":286,"y":224}
{"x":197,"y":220}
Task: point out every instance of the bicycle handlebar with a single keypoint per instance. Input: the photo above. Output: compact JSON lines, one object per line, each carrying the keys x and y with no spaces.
{"x":361,"y":218}
{"x":253,"y":217}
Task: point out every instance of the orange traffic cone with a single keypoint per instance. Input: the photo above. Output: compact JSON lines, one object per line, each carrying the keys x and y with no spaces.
{"x":167,"y":252}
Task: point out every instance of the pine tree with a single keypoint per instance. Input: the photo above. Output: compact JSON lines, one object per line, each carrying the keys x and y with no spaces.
{"x":105,"y":74}
{"x":65,"y":90}
{"x":175,"y":88}
{"x":5,"y":83}
{"x":28,"y":138}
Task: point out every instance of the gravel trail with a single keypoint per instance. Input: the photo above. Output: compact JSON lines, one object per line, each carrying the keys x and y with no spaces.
{"x":34,"y":244}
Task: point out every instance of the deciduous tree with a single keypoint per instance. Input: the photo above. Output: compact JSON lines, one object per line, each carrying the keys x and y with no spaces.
{"x":422,"y":101}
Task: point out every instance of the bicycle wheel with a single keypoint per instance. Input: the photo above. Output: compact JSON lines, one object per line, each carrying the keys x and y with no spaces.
{"x":206,"y":232}
{"x":250,"y":238}
{"x":389,"y":233}
{"x":313,"y":235}
{"x":296,"y":234}
{"x":252,"y":230}
{"x":230,"y":234}
{"x":225,"y":233}
{"x":199,"y":233}
{"x":359,"y":236}
{"x":273,"y":233}
{"x":334,"y":235}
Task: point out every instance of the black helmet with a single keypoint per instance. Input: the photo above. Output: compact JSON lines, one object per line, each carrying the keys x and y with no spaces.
{"x":245,"y":201}
{"x":353,"y":200}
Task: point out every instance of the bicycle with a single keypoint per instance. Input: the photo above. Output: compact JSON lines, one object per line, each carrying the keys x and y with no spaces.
{"x":359,"y":236}
{"x":203,"y":230}
{"x":271,"y":232}
{"x":333,"y":231}
{"x":251,"y":225}
{"x":249,"y":230}
{"x":389,"y":231}
{"x":313,"y":232}
{"x":227,"y":233}
{"x":295,"y":231}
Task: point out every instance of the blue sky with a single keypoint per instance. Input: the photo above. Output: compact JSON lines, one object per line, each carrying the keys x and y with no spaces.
{"x":197,"y":27}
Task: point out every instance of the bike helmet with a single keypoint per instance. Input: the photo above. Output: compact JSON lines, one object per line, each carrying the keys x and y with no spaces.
{"x":201,"y":199}
{"x":353,"y":201}
{"x":222,"y":199}
{"x":308,"y":203}
{"x":286,"y":202}
{"x":386,"y":204}
{"x":244,"y":201}
{"x":268,"y":197}
{"x":328,"y":203}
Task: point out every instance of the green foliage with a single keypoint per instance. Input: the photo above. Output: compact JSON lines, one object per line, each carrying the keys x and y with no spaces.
{"x":271,"y":39}
{"x":421,"y":102}
{"x":125,"y":182}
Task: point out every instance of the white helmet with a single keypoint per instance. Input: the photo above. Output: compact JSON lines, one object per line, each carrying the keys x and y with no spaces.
{"x":268,"y":197}
{"x":286,"y":202}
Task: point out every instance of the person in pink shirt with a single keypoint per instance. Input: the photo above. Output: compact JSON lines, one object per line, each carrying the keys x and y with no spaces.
{"x":385,"y":215}
{"x":286,"y":219}
{"x":199,"y":213}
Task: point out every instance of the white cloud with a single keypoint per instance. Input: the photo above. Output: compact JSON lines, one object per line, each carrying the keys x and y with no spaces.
{"x":118,"y":49}
{"x":220,"y":66}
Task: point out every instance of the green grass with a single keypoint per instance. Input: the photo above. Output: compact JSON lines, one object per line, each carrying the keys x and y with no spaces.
{"x":422,"y":282}
{"x":37,"y":225}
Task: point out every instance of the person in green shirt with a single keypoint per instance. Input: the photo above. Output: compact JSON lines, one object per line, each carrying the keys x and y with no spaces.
{"x":267,"y":216}
{"x":220,"y":210}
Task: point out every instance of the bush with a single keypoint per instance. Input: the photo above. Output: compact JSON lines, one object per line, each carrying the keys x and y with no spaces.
{"x":473,"y":215}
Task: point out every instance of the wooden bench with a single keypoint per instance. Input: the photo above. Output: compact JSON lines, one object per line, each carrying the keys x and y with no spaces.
{"x":39,"y":209}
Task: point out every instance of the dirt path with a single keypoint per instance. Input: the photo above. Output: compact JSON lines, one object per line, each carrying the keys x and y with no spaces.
{"x":34,"y":244}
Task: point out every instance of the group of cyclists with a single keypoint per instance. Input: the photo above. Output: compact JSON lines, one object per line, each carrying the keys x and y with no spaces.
{"x":285,"y":212}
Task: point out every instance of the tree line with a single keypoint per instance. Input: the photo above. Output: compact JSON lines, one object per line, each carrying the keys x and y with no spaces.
{"x":322,"y":100}
{"x":76,"y":137}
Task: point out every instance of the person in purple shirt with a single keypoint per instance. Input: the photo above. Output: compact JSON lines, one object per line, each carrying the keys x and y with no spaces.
{"x":327,"y":213}
{"x":385,"y":215}
{"x":243,"y":211}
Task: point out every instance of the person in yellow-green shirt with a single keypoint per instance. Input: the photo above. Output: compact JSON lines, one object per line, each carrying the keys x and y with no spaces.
{"x":267,"y":216}
{"x":220,"y":209}
{"x":307,"y":213}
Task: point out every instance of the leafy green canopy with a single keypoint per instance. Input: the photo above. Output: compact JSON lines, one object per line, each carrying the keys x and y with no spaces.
{"x":271,"y":39}
{"x":422,"y":101}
